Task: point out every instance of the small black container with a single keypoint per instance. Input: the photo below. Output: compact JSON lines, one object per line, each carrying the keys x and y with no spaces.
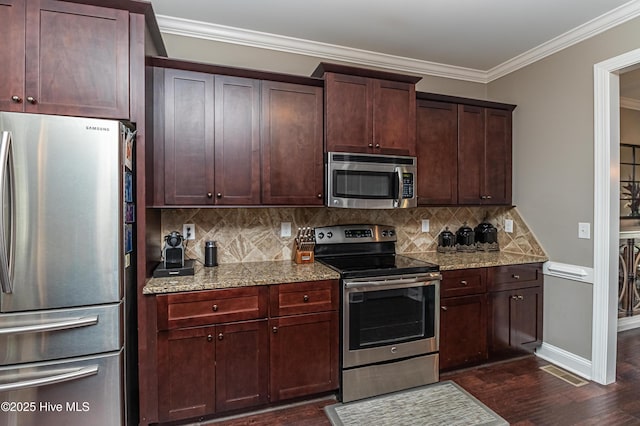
{"x":446,"y":241}
{"x":210,"y":253}
{"x":465,"y":239}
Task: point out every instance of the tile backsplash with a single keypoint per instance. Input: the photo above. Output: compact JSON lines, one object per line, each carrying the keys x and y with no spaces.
{"x":253,"y":234}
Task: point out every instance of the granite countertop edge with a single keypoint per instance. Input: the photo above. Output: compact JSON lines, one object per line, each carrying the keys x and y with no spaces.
{"x":235,"y":275}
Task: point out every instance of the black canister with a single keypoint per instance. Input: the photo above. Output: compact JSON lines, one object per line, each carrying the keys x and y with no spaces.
{"x":465,"y":239}
{"x":446,"y":241}
{"x":210,"y":253}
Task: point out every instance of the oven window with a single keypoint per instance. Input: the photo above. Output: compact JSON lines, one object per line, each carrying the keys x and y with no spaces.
{"x":361,"y":184}
{"x":378,"y":318}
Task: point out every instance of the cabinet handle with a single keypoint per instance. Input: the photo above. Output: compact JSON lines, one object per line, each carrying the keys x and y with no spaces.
{"x":514,"y":297}
{"x":520,"y":297}
{"x":517,"y":277}
{"x":209,"y":195}
{"x":489,"y":197}
{"x":17,"y":99}
{"x":483,"y":197}
{"x":370,"y":145}
{"x":444,"y":308}
{"x":274,"y":329}
{"x":219,"y":195}
{"x":463,"y":282}
{"x":220,"y":336}
{"x":31,"y":99}
{"x":377,"y":145}
{"x":214,"y":308}
{"x":319,"y":195}
{"x":209,"y":338}
{"x":305,"y":298}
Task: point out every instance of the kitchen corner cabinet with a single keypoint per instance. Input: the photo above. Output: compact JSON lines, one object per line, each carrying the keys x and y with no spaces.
{"x":484,"y":155}
{"x":515,"y":309}
{"x":64,"y":58}
{"x":463,"y":318}
{"x":304,"y":339}
{"x":211,"y":147}
{"x":365,"y":114}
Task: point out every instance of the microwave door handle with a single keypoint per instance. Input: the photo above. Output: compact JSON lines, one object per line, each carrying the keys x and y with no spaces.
{"x":399,"y":187}
{"x":6,"y":173}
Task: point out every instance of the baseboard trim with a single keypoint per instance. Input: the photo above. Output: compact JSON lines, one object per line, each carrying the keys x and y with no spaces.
{"x":628,"y":323}
{"x":564,"y":359}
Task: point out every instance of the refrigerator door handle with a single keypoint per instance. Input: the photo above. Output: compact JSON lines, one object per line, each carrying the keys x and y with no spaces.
{"x":7,"y":176}
{"x":74,"y":374}
{"x":50,"y":326}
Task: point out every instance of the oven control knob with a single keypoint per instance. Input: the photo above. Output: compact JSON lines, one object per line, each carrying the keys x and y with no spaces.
{"x":329,"y":234}
{"x":321,"y":235}
{"x":384,"y":233}
{"x":392,"y":232}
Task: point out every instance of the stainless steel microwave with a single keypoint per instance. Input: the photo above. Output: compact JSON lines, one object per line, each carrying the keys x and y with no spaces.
{"x":369,"y":181}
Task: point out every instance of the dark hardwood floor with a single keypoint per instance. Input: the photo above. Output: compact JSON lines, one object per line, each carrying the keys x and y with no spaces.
{"x":519,"y":392}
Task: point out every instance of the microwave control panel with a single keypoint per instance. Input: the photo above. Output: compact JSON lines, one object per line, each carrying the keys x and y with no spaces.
{"x":407,"y":185}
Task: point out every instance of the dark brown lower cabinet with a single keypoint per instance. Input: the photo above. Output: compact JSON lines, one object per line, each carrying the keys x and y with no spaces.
{"x":304,"y":354}
{"x":212,"y":369}
{"x":463,"y":331}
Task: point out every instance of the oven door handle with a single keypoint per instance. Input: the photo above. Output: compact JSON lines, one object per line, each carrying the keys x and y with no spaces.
{"x":413,"y":281}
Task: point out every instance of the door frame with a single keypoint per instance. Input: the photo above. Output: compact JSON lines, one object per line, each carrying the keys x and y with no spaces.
{"x":606,"y":223}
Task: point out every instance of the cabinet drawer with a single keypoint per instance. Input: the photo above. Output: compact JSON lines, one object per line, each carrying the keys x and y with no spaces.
{"x":304,"y":297}
{"x":211,"y":307}
{"x":515,"y":276}
{"x":463,"y":282}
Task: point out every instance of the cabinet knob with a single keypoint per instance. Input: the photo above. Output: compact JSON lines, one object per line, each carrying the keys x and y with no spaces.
{"x":219,"y":195}
{"x":274,"y":329}
{"x":319,"y":195}
{"x":520,"y":297}
{"x":463,"y":282}
{"x":209,"y":338}
{"x":220,"y":336}
{"x":305,"y":298}
{"x":517,"y":277}
{"x":370,"y":145}
{"x":209,"y":195}
{"x":444,"y":308}
{"x":214,"y":308}
{"x":483,"y":197}
{"x":17,"y":99}
{"x":377,"y":145}
{"x":488,"y":197}
{"x":31,"y":99}
{"x":514,"y":297}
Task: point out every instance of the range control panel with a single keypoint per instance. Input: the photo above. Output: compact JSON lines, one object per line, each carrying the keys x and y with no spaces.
{"x":344,"y":234}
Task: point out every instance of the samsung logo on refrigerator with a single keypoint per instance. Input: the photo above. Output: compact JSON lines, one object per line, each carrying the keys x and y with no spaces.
{"x":98,"y":128}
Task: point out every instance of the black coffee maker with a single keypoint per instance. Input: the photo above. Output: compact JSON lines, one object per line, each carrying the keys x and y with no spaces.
{"x":173,"y":251}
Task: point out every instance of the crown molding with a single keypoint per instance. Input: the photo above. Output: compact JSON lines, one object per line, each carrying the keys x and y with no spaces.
{"x":613,"y":18}
{"x":630,"y":103}
{"x":222,"y":33}
{"x":243,"y":37}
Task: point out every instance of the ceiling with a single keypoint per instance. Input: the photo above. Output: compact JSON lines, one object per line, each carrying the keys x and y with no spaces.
{"x":472,"y":38}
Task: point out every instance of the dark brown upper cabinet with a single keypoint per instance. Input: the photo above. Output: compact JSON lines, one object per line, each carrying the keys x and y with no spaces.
{"x":230,"y":140}
{"x":64,"y":58}
{"x":464,"y":151}
{"x":368,"y":111}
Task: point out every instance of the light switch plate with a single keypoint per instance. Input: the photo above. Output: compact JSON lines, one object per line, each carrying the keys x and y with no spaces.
{"x":508,"y":225}
{"x":285,"y":229}
{"x":425,"y":225}
{"x":584,"y":230}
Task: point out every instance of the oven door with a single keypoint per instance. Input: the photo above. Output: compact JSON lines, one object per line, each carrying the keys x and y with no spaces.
{"x":370,"y":181}
{"x":387,"y":318}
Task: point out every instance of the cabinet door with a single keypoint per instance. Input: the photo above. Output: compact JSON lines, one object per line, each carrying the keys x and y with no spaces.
{"x":292,"y":152}
{"x":12,"y":52}
{"x":470,"y":154}
{"x":463,"y":331}
{"x":237,"y":140}
{"x":394,"y":118}
{"x":304,"y":355}
{"x":515,"y":321}
{"x":497,"y":165}
{"x":77,"y":60}
{"x":242,"y":363}
{"x":437,"y":151}
{"x":188,"y":138}
{"x":348,"y":104}
{"x":186,"y":373}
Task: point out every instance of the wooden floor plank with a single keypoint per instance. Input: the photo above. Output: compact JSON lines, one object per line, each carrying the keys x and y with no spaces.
{"x":520,"y":392}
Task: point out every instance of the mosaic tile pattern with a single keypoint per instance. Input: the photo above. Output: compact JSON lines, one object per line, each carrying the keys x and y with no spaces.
{"x":253,"y":234}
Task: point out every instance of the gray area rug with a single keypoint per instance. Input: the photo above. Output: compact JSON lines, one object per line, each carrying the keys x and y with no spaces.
{"x":443,"y":403}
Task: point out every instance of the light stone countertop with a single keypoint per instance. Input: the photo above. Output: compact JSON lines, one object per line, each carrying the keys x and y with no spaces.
{"x":230,"y":275}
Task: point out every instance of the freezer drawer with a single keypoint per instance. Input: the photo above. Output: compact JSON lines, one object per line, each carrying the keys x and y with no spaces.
{"x":62,"y":333}
{"x":81,"y":391}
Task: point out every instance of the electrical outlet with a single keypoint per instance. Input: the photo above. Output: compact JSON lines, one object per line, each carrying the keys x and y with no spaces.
{"x":285,"y":229}
{"x":189,"y":231}
{"x":584,"y":230}
{"x":425,"y":225}
{"x":508,"y":225}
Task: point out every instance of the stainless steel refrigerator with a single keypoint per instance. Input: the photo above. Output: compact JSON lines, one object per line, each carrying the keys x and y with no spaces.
{"x":66,"y":263}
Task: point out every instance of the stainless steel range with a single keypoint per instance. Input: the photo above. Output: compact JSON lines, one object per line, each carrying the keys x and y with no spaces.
{"x":390,"y":311}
